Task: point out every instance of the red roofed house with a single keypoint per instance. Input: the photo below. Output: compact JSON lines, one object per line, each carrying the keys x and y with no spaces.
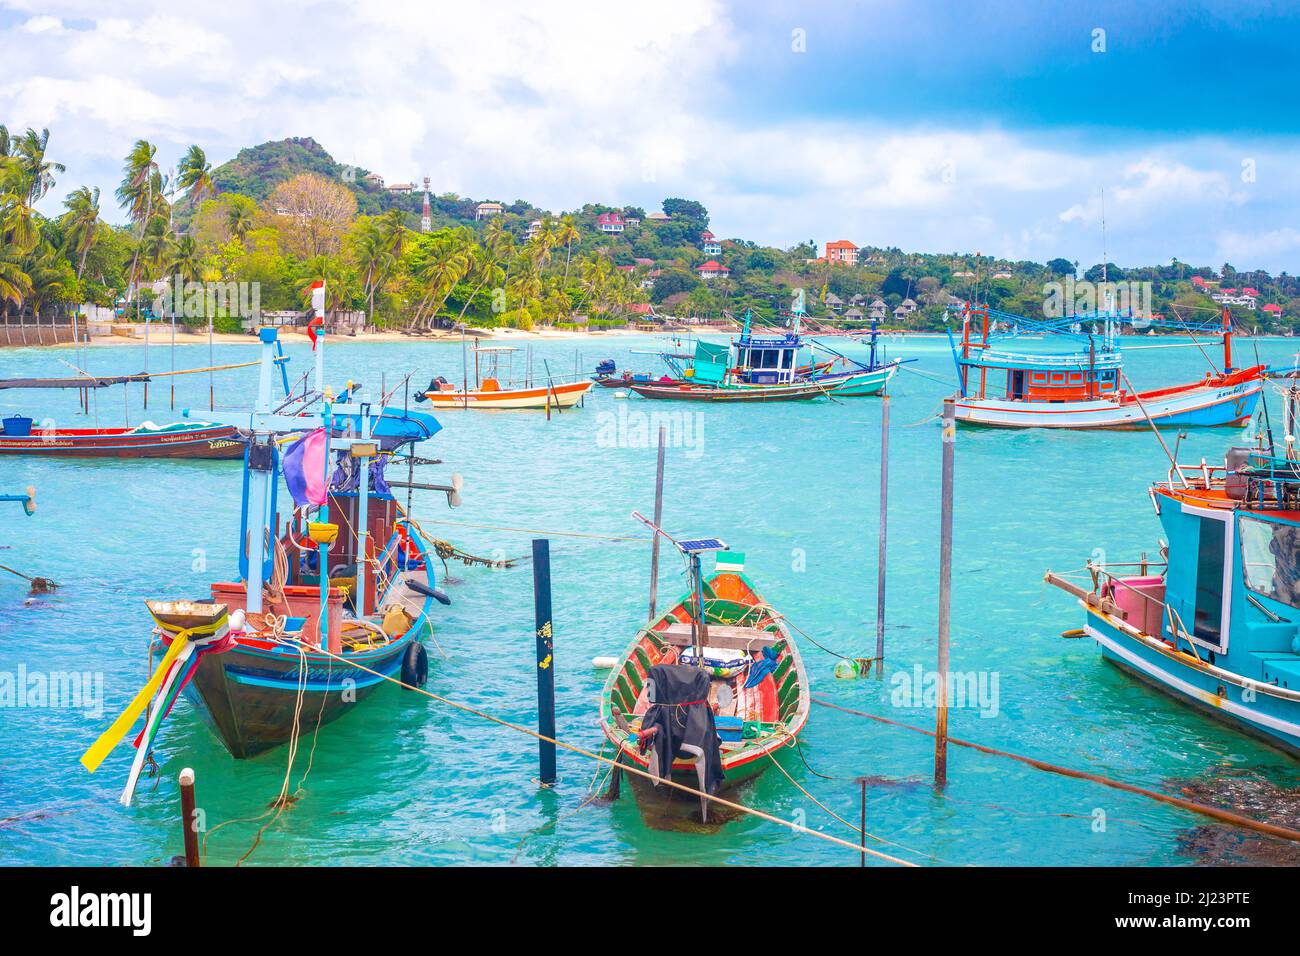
{"x":1249,"y":291}
{"x":709,"y":243}
{"x":625,"y":268}
{"x":713,"y":270}
{"x":609,"y":222}
{"x":842,"y":251}
{"x":1273,"y":309}
{"x":1198,"y":282}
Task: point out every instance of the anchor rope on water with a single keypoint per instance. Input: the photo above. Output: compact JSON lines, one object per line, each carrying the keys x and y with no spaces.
{"x":852,"y":826}
{"x":1224,"y":816}
{"x":637,"y":771}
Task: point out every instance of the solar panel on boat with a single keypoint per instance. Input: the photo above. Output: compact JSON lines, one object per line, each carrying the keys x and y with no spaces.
{"x":701,"y":545}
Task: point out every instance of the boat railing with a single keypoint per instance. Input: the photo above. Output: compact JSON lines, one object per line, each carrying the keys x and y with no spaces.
{"x":1201,"y":476}
{"x":1080,"y":360}
{"x":1137,"y":604}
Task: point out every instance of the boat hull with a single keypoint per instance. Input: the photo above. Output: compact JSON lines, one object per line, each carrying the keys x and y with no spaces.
{"x":1272,"y":718}
{"x":218,"y":442}
{"x":1192,"y":406}
{"x":783,"y":697}
{"x":249,"y":694}
{"x":801,"y":392}
{"x":565,"y":396}
{"x":858,"y":384}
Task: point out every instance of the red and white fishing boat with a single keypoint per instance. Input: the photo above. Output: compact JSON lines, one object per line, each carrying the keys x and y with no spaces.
{"x":188,"y":440}
{"x":1087,"y":389}
{"x":494,"y":389}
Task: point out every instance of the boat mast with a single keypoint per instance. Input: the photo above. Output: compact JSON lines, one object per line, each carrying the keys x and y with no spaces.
{"x":1227,"y":341}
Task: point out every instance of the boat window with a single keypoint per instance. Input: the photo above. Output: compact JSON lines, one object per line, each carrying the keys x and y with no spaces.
{"x":1208,"y":622}
{"x":787,"y":358}
{"x":1270,"y":556}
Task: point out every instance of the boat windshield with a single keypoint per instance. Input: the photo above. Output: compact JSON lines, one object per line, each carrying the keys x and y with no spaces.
{"x":1270,"y":555}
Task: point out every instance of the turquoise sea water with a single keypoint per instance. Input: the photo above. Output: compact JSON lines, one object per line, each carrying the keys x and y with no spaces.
{"x":794,"y":486}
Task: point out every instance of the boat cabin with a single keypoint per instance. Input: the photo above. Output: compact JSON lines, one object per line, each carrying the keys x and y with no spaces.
{"x":765,"y":360}
{"x":1076,"y":377}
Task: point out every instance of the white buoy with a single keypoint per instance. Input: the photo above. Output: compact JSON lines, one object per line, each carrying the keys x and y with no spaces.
{"x":620,"y":394}
{"x":604,"y":663}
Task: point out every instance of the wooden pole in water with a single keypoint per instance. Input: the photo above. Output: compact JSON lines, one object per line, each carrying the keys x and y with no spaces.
{"x":884,"y":522}
{"x":659,"y":515}
{"x":862,"y":829}
{"x":545,"y":659}
{"x":945,"y":596}
{"x":187,"y":818}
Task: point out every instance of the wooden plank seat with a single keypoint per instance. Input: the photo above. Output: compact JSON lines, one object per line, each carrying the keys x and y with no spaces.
{"x":722,"y":636}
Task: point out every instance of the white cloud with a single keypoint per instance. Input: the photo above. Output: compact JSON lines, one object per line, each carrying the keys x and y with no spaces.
{"x":603,"y":102}
{"x":1271,"y":245}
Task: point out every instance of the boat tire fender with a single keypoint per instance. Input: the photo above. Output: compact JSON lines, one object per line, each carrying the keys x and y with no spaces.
{"x":415,"y":666}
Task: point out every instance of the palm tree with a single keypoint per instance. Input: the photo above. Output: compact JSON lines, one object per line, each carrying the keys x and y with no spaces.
{"x":485,"y":261}
{"x":81,"y":223}
{"x":29,"y":151}
{"x":449,"y":260}
{"x":185,"y":262}
{"x":527,"y":286}
{"x":136,"y":195}
{"x":194,"y":175}
{"x":239,"y":216}
{"x":15,"y":284}
{"x":567,"y":234}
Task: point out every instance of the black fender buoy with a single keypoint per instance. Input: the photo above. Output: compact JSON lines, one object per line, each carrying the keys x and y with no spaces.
{"x":415,"y":666}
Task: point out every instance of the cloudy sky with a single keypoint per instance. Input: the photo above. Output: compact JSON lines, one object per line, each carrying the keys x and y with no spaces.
{"x":936,"y":127}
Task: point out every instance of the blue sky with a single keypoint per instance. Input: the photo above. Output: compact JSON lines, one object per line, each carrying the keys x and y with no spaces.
{"x":991,"y":127}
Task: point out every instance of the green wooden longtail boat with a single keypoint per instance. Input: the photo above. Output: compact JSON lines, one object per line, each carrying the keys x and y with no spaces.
{"x":754,"y":723}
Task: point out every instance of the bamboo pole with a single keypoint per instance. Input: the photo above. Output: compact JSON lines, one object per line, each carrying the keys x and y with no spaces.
{"x":884,"y":522}
{"x":659,"y":514}
{"x":949,"y":434}
{"x":187,"y":818}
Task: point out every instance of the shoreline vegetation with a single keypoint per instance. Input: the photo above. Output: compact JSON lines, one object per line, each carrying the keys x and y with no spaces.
{"x":403,"y":261}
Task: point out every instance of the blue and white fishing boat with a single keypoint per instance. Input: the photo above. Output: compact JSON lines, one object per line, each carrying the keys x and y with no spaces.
{"x":1085,"y":387}
{"x":1216,"y":623}
{"x":765,"y":366}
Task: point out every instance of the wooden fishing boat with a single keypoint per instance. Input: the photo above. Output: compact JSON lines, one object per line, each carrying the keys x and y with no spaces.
{"x":1214,"y":624}
{"x":491,"y":394}
{"x":183,"y":440}
{"x":331,"y":600}
{"x":743,"y":641}
{"x":1087,"y":389}
{"x":766,"y":368}
{"x":691,"y":392}
{"x":493,"y":389}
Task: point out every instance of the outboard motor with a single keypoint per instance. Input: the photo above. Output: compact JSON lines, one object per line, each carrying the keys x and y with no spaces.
{"x":434,"y":386}
{"x":1235,"y":484}
{"x":606,"y":367}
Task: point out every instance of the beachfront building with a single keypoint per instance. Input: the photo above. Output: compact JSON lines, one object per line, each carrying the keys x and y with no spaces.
{"x":373,"y":179}
{"x":534,"y":228}
{"x":833,"y":302}
{"x":657,"y":217}
{"x":610,"y":222}
{"x":878,"y":310}
{"x":1246,"y":298}
{"x":712,"y":270}
{"x":709,"y":243}
{"x":843,"y":252}
{"x":486,"y":210}
{"x":402,"y":189}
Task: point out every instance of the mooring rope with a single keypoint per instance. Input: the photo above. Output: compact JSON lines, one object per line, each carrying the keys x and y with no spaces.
{"x":721,"y":801}
{"x":1224,"y":816}
{"x":541,"y":531}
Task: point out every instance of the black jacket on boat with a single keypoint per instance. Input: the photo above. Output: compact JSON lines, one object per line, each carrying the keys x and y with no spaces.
{"x":680,"y":711}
